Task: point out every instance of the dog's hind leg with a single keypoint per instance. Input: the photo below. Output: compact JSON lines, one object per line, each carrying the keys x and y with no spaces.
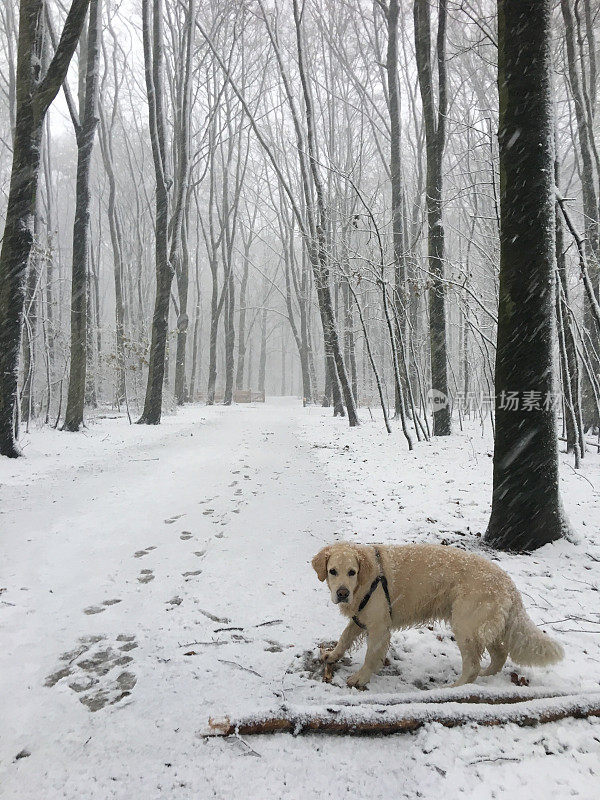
{"x":478,"y":622}
{"x":471,"y":650}
{"x":498,"y":653}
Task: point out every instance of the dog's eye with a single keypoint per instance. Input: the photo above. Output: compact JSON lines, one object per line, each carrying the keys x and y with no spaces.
{"x":351,"y":572}
{"x":333,"y":571}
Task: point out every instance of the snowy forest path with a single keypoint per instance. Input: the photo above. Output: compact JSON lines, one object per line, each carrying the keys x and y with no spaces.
{"x":159,"y":573}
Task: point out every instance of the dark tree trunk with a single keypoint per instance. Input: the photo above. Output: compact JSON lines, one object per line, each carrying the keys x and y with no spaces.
{"x":116,"y":238}
{"x":396,"y":182}
{"x":526,"y":506}
{"x":179,"y":224}
{"x":85,"y":132}
{"x":35,"y":93}
{"x":435,"y":128}
{"x":153,"y":58}
{"x":116,"y":241}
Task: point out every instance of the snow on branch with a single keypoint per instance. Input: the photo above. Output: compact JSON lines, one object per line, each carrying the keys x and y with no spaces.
{"x":400,"y":716}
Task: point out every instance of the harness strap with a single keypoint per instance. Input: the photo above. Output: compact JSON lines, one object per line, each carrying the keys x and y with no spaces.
{"x":380,"y":579}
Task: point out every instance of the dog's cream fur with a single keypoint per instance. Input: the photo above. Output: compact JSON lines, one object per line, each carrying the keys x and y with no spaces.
{"x":428,"y":583}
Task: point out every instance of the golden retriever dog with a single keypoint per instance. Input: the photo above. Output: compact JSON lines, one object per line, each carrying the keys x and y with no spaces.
{"x":383,"y":588}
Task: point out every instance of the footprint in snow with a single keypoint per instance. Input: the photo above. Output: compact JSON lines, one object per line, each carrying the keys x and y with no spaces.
{"x":144,"y":552}
{"x":185,"y":535}
{"x":171,"y":520}
{"x":93,"y":670}
{"x":99,"y":609}
{"x":146,"y":575}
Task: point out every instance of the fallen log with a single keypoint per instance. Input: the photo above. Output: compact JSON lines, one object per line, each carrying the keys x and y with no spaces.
{"x":462,"y":694}
{"x":405,"y":717}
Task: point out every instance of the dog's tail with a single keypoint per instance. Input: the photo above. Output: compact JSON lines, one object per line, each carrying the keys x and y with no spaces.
{"x":527,"y":644}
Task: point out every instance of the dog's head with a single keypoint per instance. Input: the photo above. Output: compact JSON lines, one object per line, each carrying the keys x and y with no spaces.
{"x":344,"y":566}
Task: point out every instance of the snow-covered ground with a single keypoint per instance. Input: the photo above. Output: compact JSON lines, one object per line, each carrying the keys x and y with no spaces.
{"x":153,"y":577}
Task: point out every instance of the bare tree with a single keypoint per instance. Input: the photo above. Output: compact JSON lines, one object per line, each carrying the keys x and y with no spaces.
{"x":526,"y":507}
{"x":152,"y":30}
{"x":85,"y":123}
{"x":35,"y":91}
{"x":435,"y":137}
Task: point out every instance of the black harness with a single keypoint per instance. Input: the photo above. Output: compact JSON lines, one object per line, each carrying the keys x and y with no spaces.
{"x":380,"y":579}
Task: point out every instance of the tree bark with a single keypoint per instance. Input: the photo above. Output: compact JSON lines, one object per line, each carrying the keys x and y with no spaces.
{"x":85,"y":132}
{"x":589,"y":197}
{"x":179,"y":256}
{"x":435,"y":134}
{"x":333,"y":351}
{"x":404,"y":718}
{"x":396,"y":182}
{"x":153,"y":62}
{"x":241,"y":361}
{"x":35,"y":93}
{"x":526,"y":506}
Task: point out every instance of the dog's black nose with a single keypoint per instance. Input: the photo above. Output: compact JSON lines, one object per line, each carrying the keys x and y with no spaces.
{"x":343,"y":594}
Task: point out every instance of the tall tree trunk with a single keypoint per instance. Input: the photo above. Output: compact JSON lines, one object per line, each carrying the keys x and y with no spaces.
{"x":183,"y":279}
{"x":318,"y":248}
{"x":571,"y":372}
{"x":590,"y":200}
{"x":30,"y":318}
{"x":435,"y":135}
{"x":91,"y":395}
{"x":526,"y":507}
{"x":214,"y":329}
{"x":195,"y":376}
{"x":229,"y":340}
{"x":85,"y":132}
{"x":239,"y":378}
{"x":179,"y":228}
{"x":116,"y":238}
{"x":35,"y":93}
{"x":396,"y":182}
{"x":153,"y":61}
{"x":262,"y":363}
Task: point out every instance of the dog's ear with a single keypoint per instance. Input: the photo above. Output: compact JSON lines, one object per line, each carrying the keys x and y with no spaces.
{"x":365,"y":565}
{"x":319,"y":562}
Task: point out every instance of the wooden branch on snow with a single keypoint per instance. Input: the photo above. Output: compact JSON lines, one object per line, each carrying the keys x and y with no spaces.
{"x":462,"y":694}
{"x":405,"y":717}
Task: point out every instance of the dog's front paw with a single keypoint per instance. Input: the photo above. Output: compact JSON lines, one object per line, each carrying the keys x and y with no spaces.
{"x":358,"y":679}
{"x":327,"y":656}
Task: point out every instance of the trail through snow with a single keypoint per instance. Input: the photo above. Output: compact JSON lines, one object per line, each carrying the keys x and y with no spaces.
{"x":151,"y":577}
